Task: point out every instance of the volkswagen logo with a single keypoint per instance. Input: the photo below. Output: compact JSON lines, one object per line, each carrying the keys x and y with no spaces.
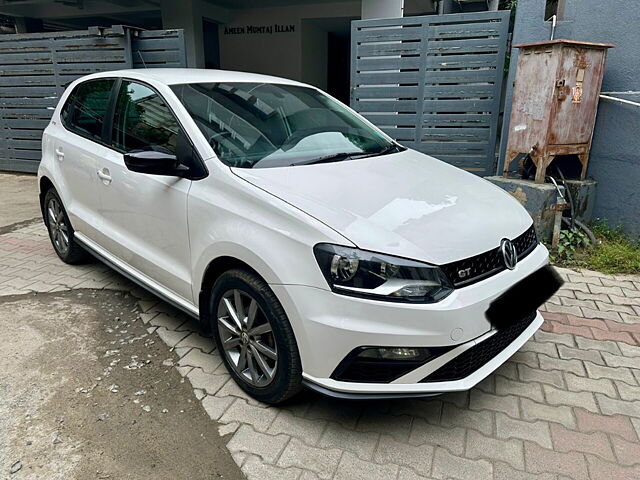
{"x":509,"y":253}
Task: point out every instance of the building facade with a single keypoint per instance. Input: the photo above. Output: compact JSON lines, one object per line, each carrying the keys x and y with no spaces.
{"x":306,"y":40}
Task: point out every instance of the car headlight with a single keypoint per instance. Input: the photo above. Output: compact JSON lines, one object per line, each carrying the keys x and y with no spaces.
{"x":351,"y":271}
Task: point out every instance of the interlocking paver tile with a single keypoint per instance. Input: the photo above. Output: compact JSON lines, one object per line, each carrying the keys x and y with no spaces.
{"x":531,"y":390}
{"x":540,"y":460}
{"x":552,"y":377}
{"x":549,"y":363}
{"x":598,"y":371}
{"x":255,"y":469}
{"x":502,"y":471}
{"x":551,"y":413}
{"x":611,"y":406}
{"x":566,"y":406}
{"x":478,"y":420}
{"x":569,"y":353}
{"x":397,"y":425}
{"x":303,"y":428}
{"x":619,"y":425}
{"x":584,"y":384}
{"x":417,"y":457}
{"x":259,"y":418}
{"x":509,"y":451}
{"x":451,"y":438}
{"x":603,"y":470}
{"x":537,"y":431}
{"x":363,"y":444}
{"x":555,"y":396}
{"x":353,"y":468}
{"x":197,"y":358}
{"x":499,"y":403}
{"x":628,"y":392}
{"x":324,"y":462}
{"x":596,"y":443}
{"x":627,"y":453}
{"x":206,"y":381}
{"x":446,"y":465}
{"x":247,"y":440}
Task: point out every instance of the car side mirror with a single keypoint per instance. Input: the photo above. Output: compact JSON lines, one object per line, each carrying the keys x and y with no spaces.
{"x":155,"y":163}
{"x":186,"y":163}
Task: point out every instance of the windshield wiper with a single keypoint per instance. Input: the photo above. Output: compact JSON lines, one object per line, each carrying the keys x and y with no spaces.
{"x":392,"y":148}
{"x":334,"y":157}
{"x":339,"y":157}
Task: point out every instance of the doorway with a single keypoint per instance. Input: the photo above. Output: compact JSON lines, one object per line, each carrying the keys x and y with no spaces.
{"x":211,"y":43}
{"x":326,"y":45}
{"x":339,"y":65}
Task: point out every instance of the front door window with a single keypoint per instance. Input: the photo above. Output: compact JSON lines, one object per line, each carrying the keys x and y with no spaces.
{"x":143,"y":121}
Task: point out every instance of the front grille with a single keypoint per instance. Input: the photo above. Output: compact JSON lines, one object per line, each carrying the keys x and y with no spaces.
{"x":479,"y":355}
{"x":473,"y":269}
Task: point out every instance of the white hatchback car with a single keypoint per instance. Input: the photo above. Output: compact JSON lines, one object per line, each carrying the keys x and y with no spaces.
{"x":317,"y":250}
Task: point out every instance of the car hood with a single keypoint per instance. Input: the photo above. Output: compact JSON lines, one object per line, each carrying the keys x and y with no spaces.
{"x":406,"y":204}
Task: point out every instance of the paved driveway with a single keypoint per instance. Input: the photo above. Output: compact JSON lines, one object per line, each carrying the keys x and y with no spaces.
{"x":566,"y":406}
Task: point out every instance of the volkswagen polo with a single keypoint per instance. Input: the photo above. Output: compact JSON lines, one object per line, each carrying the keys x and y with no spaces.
{"x":318,"y":251}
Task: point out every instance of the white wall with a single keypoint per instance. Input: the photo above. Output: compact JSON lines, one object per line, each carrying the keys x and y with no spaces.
{"x":382,"y":9}
{"x":300,"y":55}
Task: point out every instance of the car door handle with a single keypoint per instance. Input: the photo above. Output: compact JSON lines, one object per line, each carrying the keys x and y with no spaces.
{"x":59,"y":154}
{"x":104,"y":176}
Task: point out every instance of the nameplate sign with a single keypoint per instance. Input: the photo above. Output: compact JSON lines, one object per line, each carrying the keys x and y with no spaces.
{"x":259,"y":29}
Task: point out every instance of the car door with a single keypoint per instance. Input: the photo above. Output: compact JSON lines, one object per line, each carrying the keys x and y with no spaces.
{"x":144,"y":217}
{"x":76,"y":146}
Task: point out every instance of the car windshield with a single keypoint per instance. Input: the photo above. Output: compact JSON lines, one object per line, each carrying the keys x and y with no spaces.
{"x":260,"y":125}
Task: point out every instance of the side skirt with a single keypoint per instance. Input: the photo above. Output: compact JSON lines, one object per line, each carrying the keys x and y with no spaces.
{"x":93,"y":249}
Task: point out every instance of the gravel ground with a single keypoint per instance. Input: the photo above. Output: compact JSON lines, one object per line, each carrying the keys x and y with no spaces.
{"x":87,"y":393}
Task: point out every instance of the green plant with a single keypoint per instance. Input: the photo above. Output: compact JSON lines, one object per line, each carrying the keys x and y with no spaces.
{"x":570,"y":241}
{"x":615,"y":252}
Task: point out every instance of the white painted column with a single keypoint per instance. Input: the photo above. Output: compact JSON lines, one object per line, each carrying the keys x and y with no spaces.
{"x":382,"y":9}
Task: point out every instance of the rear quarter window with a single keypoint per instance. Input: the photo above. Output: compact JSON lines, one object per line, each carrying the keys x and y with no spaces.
{"x":86,"y":108}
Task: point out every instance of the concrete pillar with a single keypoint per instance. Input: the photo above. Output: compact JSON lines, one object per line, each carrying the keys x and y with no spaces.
{"x":446,"y":6}
{"x":382,"y":9}
{"x":185,"y":15}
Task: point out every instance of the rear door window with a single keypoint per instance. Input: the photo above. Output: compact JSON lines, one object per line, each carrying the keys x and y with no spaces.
{"x":86,"y":108}
{"x":143,"y":121}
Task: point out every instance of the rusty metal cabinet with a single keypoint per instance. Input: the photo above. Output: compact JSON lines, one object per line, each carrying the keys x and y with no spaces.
{"x":555,"y":100}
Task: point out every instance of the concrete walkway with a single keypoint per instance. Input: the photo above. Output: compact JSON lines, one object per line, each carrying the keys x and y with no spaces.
{"x":566,"y":406}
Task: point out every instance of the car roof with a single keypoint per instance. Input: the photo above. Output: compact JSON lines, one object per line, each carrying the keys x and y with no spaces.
{"x":174,"y":76}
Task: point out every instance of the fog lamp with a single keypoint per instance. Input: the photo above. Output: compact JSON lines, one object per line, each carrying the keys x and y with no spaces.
{"x":409,"y":354}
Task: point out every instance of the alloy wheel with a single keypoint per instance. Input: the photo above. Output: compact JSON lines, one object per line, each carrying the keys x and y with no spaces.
{"x":57,"y":226}
{"x":247,"y":338}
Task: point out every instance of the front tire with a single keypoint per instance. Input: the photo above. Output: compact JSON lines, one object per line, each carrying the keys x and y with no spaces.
{"x":254,"y":337}
{"x":61,"y":232}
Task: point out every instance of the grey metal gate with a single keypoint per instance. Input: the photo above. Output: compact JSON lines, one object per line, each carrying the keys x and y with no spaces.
{"x":35,"y":68}
{"x":433,"y":83}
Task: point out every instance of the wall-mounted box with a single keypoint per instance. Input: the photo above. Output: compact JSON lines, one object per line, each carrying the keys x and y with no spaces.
{"x":555,"y":100}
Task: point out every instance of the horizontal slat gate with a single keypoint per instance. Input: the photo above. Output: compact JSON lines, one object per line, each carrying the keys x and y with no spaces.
{"x":35,"y":69}
{"x":433,"y":83}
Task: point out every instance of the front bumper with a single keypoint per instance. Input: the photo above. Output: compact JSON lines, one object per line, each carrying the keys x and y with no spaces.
{"x":328,"y":326}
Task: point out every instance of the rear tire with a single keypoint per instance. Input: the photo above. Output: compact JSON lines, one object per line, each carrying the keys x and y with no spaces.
{"x":61,"y":232}
{"x":254,"y":337}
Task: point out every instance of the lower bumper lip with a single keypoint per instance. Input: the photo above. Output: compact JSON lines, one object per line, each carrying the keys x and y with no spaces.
{"x":355,"y":391}
{"x":364,"y":396}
